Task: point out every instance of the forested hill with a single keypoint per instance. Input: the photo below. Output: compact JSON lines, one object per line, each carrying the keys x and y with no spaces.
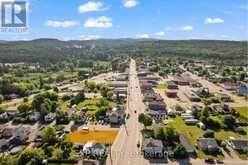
{"x":52,"y":50}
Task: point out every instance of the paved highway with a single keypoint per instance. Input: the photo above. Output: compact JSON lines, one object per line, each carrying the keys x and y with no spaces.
{"x":125,"y":151}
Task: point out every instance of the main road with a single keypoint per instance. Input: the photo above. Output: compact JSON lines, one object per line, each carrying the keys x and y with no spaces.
{"x":124,"y":151}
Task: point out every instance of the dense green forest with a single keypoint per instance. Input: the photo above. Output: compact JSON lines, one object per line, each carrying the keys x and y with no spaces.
{"x":46,"y":51}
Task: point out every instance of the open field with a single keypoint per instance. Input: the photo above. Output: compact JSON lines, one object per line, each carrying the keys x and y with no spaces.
{"x":102,"y":136}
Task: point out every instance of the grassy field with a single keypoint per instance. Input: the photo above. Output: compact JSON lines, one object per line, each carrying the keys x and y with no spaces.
{"x":94,"y":136}
{"x":192,"y":133}
{"x":243,"y":112}
{"x":161,"y":86}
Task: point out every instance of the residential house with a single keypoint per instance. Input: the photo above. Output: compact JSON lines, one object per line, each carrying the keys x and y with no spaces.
{"x":208,"y":144}
{"x":201,"y":125}
{"x":4,"y":116}
{"x":49,"y":117}
{"x":202,"y":92}
{"x":122,"y":77}
{"x":12,"y":112}
{"x":192,"y":96}
{"x":172,"y":85}
{"x":238,"y":144}
{"x":182,"y":80}
{"x":152,"y":148}
{"x":191,"y":121}
{"x":117,"y":84}
{"x":7,"y":132}
{"x":144,"y":85}
{"x":121,"y":90}
{"x":95,"y":149}
{"x":197,"y":107}
{"x":187,"y":145}
{"x":149,"y":96}
{"x":231,"y":86}
{"x":34,"y":116}
{"x":157,"y":106}
{"x":117,"y":116}
{"x":243,"y":90}
{"x":171,"y":93}
{"x":143,"y":73}
{"x":151,"y":77}
{"x":4,"y":145}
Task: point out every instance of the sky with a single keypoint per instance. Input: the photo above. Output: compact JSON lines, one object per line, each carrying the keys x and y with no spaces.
{"x":162,"y":19}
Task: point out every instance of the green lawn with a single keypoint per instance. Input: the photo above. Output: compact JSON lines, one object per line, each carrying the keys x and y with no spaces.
{"x":243,"y":112}
{"x":161,"y":86}
{"x":192,"y":132}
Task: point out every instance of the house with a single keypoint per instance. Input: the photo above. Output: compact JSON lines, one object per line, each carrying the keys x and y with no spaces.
{"x":208,"y":144}
{"x":151,"y":77}
{"x":143,"y":73}
{"x":225,"y":109}
{"x":4,"y":116}
{"x":4,"y":145}
{"x":95,"y":149}
{"x":117,"y":84}
{"x":182,"y":80}
{"x":172,"y":85}
{"x":12,"y":112}
{"x":122,"y":77}
{"x":191,"y":121}
{"x":201,"y":125}
{"x":243,"y":90}
{"x":192,"y":96}
{"x":152,"y":148}
{"x":179,"y":109}
{"x":151,"y":96}
{"x":120,"y":90}
{"x":7,"y":132}
{"x":34,"y":116}
{"x":231,"y":86}
{"x":195,"y":84}
{"x":117,"y":116}
{"x":145,"y":85}
{"x":157,"y":105}
{"x":187,"y":116}
{"x":197,"y":107}
{"x":22,"y":134}
{"x":187,"y":145}
{"x":49,"y":117}
{"x":13,"y":96}
{"x":237,"y":144}
{"x":202,"y":92}
{"x":171,"y":93}
{"x":224,"y":97}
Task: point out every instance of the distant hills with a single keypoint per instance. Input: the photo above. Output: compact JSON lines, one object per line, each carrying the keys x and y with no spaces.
{"x":52,"y":50}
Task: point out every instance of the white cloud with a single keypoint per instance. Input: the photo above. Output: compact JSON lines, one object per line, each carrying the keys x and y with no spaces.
{"x":160,"y":33}
{"x":143,"y":35}
{"x":187,"y":28}
{"x":100,"y":22}
{"x":61,"y":24}
{"x":92,"y":6}
{"x":89,"y":37}
{"x":214,"y":21}
{"x":130,"y":3}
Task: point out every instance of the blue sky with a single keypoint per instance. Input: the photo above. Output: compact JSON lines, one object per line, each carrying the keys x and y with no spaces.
{"x":165,"y":19}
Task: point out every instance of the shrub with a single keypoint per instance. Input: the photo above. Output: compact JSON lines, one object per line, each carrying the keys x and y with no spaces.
{"x":208,"y":134}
